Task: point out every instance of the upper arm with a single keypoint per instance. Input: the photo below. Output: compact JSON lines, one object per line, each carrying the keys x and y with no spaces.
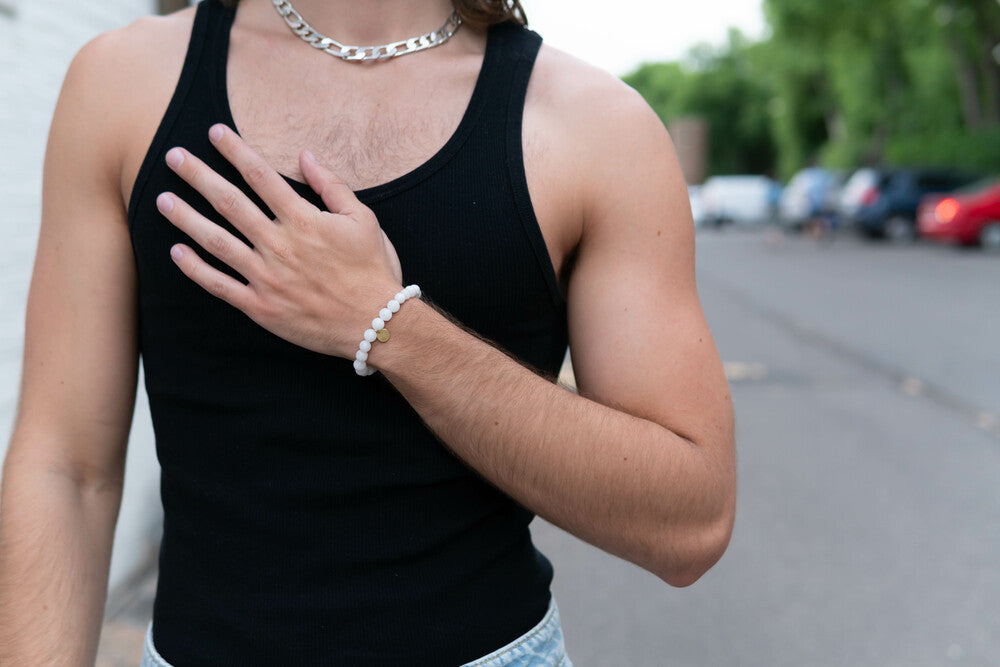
{"x":638,"y":337}
{"x":80,"y":346}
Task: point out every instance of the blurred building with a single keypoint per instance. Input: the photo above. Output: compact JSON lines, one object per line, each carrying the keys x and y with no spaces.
{"x":690,"y":136}
{"x":38,"y":38}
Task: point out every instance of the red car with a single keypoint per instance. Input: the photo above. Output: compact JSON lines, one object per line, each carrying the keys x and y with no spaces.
{"x":968,"y":216}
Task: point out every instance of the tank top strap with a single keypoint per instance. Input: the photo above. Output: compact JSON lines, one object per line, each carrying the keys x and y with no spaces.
{"x":516,"y":49}
{"x":192,"y":78}
{"x":218,"y":23}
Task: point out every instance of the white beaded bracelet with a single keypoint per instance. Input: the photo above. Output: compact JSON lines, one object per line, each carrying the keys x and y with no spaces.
{"x":378,"y":331}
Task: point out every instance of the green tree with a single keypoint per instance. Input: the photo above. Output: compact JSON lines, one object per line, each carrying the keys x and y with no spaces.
{"x":845,"y":83}
{"x":724,"y":87}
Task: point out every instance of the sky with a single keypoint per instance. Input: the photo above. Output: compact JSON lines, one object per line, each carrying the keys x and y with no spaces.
{"x":618,"y":35}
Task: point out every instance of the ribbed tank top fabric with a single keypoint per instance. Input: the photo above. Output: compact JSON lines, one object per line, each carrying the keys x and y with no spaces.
{"x":310,"y":516}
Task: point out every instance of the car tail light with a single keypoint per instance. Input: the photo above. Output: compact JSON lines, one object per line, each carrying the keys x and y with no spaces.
{"x":946,"y":210}
{"x":870,"y":197}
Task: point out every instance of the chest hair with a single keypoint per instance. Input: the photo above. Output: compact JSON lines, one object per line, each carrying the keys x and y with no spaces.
{"x":367,"y":135}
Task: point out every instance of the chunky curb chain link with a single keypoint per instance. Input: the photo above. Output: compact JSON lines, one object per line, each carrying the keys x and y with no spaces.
{"x":381,"y":52}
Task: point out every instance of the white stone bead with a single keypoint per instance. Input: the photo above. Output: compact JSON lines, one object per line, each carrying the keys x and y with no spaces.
{"x":385,"y":314}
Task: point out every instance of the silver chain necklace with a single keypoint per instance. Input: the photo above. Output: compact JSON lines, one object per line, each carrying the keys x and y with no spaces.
{"x":380,"y":52}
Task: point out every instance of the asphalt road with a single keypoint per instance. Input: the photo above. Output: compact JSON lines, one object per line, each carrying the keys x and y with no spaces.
{"x":866,"y":381}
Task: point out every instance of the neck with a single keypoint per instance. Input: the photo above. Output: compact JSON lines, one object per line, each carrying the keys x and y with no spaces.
{"x":367,"y":22}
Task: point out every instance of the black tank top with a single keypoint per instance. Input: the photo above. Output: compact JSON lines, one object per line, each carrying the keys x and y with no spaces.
{"x":310,"y":516}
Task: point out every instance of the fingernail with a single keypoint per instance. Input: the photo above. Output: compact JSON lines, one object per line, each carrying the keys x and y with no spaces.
{"x":215,"y":133}
{"x":176,"y":252}
{"x":311,"y":157}
{"x":165,"y":203}
{"x":175,"y":157}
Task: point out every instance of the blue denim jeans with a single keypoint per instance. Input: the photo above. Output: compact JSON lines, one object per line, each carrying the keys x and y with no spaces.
{"x":542,"y":646}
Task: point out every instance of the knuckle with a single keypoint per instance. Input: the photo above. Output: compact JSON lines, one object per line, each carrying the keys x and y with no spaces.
{"x":255,"y":174}
{"x":218,"y":245}
{"x":216,"y":287}
{"x":267,"y":281}
{"x":281,"y":249}
{"x":260,"y":309}
{"x":190,"y":169}
{"x":365,"y":216}
{"x":229,"y":202}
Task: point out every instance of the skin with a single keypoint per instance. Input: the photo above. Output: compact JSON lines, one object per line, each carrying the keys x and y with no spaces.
{"x":640,"y":463}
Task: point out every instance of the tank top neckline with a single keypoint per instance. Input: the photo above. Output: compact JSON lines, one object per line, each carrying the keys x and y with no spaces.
{"x":220,"y":102}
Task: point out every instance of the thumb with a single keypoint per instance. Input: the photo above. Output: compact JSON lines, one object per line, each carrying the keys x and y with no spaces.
{"x":334,"y":192}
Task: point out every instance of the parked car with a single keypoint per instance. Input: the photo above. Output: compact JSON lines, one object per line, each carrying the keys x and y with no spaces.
{"x":697,"y":209}
{"x":811,"y":196}
{"x":890,"y":210}
{"x":745,"y":200}
{"x":968,"y":216}
{"x":861,"y":189}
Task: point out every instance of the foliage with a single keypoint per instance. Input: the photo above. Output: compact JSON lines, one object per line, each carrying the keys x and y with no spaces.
{"x":978,"y":150}
{"x":844,"y":83}
{"x":723,"y":87}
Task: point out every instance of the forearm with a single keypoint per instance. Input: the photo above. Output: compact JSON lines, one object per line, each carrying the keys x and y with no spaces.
{"x":621,"y":482}
{"x":55,"y":550}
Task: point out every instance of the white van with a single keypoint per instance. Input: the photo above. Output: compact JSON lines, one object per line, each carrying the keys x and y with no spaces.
{"x":744,"y":200}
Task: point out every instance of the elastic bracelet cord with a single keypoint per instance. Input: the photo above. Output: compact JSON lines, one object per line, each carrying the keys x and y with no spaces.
{"x":378,"y":332}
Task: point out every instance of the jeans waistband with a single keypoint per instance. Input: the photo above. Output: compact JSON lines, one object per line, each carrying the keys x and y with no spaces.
{"x":542,"y":646}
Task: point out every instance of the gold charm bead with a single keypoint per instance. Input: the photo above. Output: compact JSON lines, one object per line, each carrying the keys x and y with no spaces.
{"x":377,"y":331}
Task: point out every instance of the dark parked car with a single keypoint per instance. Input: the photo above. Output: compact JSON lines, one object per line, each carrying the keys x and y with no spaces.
{"x":888,"y":209}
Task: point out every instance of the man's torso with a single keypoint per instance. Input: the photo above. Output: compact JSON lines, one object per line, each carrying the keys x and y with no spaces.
{"x":263,"y":445}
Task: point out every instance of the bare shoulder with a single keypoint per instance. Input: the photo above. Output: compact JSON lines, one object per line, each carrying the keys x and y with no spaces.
{"x":596,"y":107}
{"x":129,"y":55}
{"x":605,"y":139}
{"x":118,"y":83}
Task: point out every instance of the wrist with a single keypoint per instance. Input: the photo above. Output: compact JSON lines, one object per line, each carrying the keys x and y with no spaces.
{"x":372,"y":312}
{"x":406,"y":331}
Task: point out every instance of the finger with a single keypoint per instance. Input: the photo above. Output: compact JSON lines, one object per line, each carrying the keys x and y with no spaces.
{"x":337,"y":196}
{"x":226,"y":198}
{"x":273,"y":189}
{"x":212,"y":280}
{"x":208,"y":235}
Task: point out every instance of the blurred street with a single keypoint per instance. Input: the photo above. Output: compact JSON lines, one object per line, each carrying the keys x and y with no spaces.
{"x":866,"y":380}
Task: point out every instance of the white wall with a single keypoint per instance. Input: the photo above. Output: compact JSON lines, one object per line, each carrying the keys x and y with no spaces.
{"x":37,"y":43}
